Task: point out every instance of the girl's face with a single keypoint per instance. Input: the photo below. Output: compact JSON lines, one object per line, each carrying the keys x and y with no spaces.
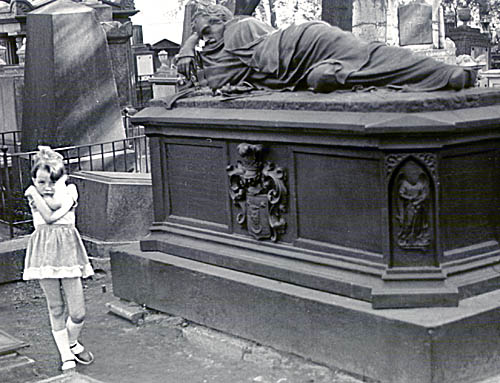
{"x":43,"y":184}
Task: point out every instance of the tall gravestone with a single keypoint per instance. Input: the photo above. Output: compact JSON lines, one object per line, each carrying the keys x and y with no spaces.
{"x":70,"y":95}
{"x":338,"y":13}
{"x":415,"y":24}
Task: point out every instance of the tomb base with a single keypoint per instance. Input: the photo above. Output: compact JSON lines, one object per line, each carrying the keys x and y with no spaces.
{"x":423,"y":345}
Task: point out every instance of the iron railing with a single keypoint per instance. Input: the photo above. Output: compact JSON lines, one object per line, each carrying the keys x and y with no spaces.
{"x":130,"y":154}
{"x":11,"y":140}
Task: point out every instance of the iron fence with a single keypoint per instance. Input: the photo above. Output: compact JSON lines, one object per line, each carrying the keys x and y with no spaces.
{"x":130,"y":154}
{"x":11,"y":140}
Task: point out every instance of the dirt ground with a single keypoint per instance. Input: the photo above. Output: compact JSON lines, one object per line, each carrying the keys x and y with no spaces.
{"x":162,"y":349}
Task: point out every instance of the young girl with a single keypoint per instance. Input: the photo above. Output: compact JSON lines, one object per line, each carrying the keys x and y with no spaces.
{"x":55,"y":254}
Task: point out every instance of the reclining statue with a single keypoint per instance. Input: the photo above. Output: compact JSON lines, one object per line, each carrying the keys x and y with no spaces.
{"x":313,"y":55}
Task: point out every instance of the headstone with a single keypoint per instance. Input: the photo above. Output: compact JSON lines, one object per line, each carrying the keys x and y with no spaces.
{"x":415,"y":24}
{"x":70,"y":93}
{"x":369,"y":20}
{"x":338,"y":13}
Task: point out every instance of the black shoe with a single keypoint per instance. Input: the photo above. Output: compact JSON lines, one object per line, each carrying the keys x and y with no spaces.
{"x":83,"y":356}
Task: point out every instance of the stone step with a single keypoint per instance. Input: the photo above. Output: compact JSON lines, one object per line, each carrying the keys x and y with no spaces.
{"x":16,"y":368}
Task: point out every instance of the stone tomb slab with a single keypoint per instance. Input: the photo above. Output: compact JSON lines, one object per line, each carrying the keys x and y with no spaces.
{"x":335,"y":265}
{"x":14,"y":367}
{"x":426,"y":345}
{"x":341,"y":169}
{"x":8,"y":343}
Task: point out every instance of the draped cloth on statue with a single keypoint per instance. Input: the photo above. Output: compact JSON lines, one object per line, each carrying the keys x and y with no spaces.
{"x":254,"y":52}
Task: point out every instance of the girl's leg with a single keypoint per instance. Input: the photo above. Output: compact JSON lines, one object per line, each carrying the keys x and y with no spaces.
{"x":76,"y":307}
{"x":55,"y":304}
{"x":73,"y":290}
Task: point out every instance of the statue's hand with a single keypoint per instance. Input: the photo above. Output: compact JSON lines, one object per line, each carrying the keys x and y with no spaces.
{"x":185,"y":66}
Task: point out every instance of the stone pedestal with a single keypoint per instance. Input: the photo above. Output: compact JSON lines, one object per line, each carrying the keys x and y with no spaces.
{"x":70,"y":92}
{"x":163,"y":86}
{"x":425,"y":345}
{"x":116,"y":206}
{"x":469,"y":41}
{"x":12,"y":255}
{"x":302,"y":221}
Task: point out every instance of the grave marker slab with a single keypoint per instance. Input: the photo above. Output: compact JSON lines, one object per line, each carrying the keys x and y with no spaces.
{"x":70,"y":93}
{"x":415,"y":24}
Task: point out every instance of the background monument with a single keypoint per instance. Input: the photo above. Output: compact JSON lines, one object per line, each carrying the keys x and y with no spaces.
{"x":70,"y":93}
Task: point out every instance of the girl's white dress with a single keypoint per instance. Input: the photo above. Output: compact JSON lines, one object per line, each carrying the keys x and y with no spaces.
{"x":56,"y":250}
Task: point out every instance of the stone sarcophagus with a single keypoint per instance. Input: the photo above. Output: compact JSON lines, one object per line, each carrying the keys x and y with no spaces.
{"x":390,"y":198}
{"x":300,"y":221}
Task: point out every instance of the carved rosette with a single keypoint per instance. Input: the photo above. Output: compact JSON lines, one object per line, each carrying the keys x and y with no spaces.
{"x":411,"y":177}
{"x":258,"y":189}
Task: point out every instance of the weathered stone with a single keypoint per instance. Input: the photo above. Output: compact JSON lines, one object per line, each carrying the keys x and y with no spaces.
{"x":70,"y":92}
{"x":11,"y":88}
{"x":338,"y":13}
{"x":390,"y":203}
{"x":296,"y":220}
{"x":14,"y":367}
{"x":118,"y":35}
{"x":12,"y":254}
{"x":115,"y":206}
{"x":415,"y":24}
{"x":431,"y":345}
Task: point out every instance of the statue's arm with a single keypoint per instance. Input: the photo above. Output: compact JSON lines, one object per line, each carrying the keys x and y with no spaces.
{"x":185,"y":59}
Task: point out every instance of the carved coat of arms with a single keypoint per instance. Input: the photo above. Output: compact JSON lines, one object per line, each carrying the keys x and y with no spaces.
{"x":258,"y":189}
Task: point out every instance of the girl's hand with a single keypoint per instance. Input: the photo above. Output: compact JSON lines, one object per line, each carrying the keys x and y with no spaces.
{"x":30,"y":192}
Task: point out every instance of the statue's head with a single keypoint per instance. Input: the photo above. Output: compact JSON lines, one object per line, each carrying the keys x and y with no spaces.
{"x":206,"y":9}
{"x":208,"y":20}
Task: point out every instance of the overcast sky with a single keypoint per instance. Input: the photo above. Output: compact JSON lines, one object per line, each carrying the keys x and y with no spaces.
{"x":155,"y":21}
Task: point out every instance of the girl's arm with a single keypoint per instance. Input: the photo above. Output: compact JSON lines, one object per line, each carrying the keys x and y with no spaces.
{"x":60,"y":187}
{"x":49,"y":215}
{"x":52,"y":203}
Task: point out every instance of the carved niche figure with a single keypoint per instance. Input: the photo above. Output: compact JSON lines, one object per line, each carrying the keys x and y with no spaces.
{"x":258,"y":189}
{"x":313,"y":55}
{"x":413,"y":213}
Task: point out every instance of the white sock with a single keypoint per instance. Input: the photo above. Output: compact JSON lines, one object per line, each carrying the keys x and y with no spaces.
{"x":62,"y":342}
{"x":73,"y":330}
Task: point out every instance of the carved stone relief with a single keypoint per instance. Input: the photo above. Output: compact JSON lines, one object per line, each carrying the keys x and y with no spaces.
{"x":413,"y":176}
{"x":258,"y":189}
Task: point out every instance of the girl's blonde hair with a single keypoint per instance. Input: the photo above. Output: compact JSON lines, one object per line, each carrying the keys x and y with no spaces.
{"x":50,"y":160}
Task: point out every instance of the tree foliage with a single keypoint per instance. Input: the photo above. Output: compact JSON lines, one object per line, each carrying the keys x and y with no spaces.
{"x":486,"y":8}
{"x":275,"y":12}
